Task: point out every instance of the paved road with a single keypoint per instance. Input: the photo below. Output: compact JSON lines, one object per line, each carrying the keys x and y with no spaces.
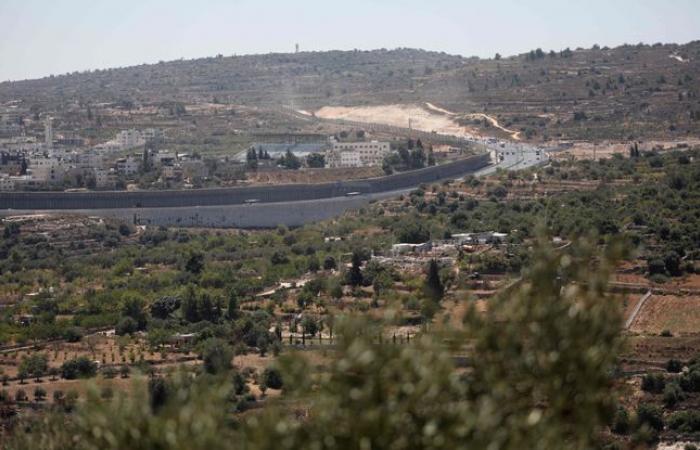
{"x":509,"y":156}
{"x":513,"y":156}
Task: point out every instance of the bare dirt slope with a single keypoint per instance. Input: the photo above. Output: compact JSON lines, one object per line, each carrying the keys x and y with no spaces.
{"x":400,"y":115}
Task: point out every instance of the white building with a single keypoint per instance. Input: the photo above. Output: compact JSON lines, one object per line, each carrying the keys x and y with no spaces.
{"x":356,"y":154}
{"x":131,"y":138}
{"x":104,"y":178}
{"x":485,"y":237}
{"x":91,"y":159}
{"x":47,"y":170}
{"x":401,"y":249}
{"x":7,"y":183}
{"x":163,"y":158}
{"x":128,"y":166}
{"x":108,"y":147}
{"x":153,"y":134}
{"x":172,"y":172}
{"x":14,"y":183}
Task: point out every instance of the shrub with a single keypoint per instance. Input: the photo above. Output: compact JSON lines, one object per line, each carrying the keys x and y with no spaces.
{"x":279,"y":258}
{"x":412,"y":232}
{"x":272,"y":378}
{"x":109,"y":372}
{"x":672,"y":394}
{"x":690,"y":382}
{"x":58,"y":396}
{"x":35,"y":365}
{"x":81,"y":367}
{"x":650,"y":415}
{"x":653,"y":383}
{"x":658,"y":278}
{"x":158,"y":393}
{"x":621,"y":421}
{"x":39,"y":394}
{"x":126,"y":325}
{"x":20,"y":395}
{"x":70,"y":401}
{"x":336,"y":291}
{"x":217,"y":355}
{"x":674,"y":366}
{"x":329,"y":263}
{"x":656,"y":266}
{"x":685,"y":421}
{"x":73,"y":334}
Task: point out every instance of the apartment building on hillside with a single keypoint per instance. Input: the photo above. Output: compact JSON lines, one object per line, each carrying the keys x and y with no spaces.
{"x":356,"y":154}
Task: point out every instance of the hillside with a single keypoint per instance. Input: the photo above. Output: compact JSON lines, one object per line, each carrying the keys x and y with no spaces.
{"x":621,"y":93}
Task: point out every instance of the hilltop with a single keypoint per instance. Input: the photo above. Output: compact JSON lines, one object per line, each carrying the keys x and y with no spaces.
{"x":628,"y":92}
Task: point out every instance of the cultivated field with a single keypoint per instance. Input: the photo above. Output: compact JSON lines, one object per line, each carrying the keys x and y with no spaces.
{"x":677,"y":314}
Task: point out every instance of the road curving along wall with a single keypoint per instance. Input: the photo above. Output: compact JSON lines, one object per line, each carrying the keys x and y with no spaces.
{"x":48,"y":201}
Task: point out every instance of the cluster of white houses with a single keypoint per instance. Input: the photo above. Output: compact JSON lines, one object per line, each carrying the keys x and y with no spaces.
{"x":457,"y":240}
{"x":28,"y":164}
{"x":57,"y":161}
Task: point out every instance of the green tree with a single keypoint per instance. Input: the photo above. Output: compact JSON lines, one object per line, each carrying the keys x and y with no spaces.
{"x":126,"y":325}
{"x":309,"y":325}
{"x":354,"y":276}
{"x":163,"y":307}
{"x":290,"y":161}
{"x":217,"y":355}
{"x":81,"y":367}
{"x":158,"y":393}
{"x":412,"y":232}
{"x":39,"y":394}
{"x":329,"y":263}
{"x":315,"y":160}
{"x":272,"y":378}
{"x":195,"y":263}
{"x":650,"y":415}
{"x":20,"y":395}
{"x":35,"y":365}
{"x":134,"y":308}
{"x":433,"y":287}
{"x":232,"y":310}
{"x":124,"y":371}
{"x":336,"y":291}
{"x":621,"y":421}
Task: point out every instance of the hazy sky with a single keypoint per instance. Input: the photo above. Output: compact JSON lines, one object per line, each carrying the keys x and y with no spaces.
{"x":43,"y":37}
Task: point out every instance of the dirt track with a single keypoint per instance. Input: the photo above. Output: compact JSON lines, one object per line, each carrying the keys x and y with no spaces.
{"x":494,"y":122}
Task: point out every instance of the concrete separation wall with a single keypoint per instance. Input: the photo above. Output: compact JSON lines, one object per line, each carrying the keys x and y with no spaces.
{"x":261,"y":215}
{"x":237,"y":195}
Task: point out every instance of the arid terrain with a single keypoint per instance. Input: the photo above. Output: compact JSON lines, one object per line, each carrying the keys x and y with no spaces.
{"x":622,"y":93}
